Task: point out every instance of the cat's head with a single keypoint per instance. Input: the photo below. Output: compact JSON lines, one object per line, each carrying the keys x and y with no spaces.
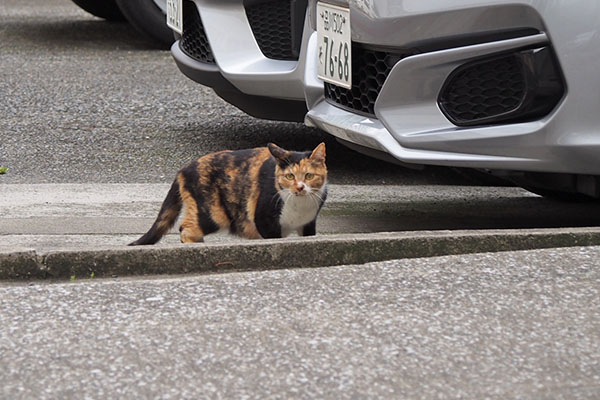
{"x":300,"y":173}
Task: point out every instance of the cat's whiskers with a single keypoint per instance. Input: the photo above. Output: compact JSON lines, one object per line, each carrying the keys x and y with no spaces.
{"x":317,"y":194}
{"x":288,"y":195}
{"x":313,"y":197}
{"x":280,"y":197}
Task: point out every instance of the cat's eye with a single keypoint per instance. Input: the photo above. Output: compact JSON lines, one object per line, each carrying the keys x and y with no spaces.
{"x":289,"y":177}
{"x":309,"y":176}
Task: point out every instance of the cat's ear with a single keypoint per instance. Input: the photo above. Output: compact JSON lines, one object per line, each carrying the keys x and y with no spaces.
{"x":318,"y":153}
{"x":277,"y":152}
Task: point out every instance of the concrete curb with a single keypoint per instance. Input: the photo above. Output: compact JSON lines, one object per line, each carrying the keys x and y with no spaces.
{"x":317,"y":251}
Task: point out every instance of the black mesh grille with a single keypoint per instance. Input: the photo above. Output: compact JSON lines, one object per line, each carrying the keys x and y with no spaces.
{"x":193,"y":41}
{"x":483,"y":90}
{"x":370,"y":69}
{"x":272,"y":28}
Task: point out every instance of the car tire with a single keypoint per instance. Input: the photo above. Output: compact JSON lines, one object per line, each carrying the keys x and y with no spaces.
{"x":106,"y":9}
{"x":149,"y":19}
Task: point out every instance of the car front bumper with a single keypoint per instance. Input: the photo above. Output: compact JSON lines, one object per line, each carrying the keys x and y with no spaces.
{"x":407,"y":121}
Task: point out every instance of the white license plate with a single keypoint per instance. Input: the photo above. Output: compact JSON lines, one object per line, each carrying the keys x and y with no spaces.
{"x":334,"y":45}
{"x":175,"y":15}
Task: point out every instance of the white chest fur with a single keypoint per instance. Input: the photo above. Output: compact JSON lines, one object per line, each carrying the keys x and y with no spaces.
{"x":297,"y":211}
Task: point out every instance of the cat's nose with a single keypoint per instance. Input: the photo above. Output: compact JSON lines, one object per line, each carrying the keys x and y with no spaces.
{"x":300,"y":186}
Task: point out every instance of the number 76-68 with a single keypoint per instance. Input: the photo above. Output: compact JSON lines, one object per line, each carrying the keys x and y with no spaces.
{"x":336,"y":62}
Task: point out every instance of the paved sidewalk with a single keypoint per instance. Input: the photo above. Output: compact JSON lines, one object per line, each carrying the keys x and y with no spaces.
{"x":106,"y":210}
{"x":78,"y":216}
{"x":85,"y":216}
{"x":64,"y":230}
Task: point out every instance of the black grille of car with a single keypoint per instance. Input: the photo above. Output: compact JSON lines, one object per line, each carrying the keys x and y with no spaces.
{"x":370,"y":69}
{"x":521,"y":86}
{"x":485,"y":89}
{"x":194,"y":42}
{"x":277,"y":26}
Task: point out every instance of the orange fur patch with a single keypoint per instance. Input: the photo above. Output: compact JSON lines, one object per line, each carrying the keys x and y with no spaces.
{"x":166,"y":220}
{"x":217,"y":212}
{"x":190,"y":231}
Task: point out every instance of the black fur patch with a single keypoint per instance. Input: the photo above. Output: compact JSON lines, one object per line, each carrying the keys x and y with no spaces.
{"x":293,"y":157}
{"x":269,"y":205}
{"x":190,"y":173}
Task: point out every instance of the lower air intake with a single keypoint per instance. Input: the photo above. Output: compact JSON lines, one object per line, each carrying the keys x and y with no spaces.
{"x":194,"y":42}
{"x":277,"y":26}
{"x":516,"y":87}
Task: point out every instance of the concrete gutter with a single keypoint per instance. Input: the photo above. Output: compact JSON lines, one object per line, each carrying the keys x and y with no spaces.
{"x":65,"y":231}
{"x":275,"y":254}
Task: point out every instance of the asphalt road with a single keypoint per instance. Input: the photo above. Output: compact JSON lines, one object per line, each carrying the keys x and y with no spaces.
{"x":519,"y":325}
{"x":85,"y":100}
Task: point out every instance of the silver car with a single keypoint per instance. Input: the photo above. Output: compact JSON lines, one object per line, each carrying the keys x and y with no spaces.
{"x":508,"y":87}
{"x":251,"y":52}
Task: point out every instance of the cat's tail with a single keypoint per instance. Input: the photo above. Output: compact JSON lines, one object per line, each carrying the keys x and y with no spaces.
{"x":166,"y":217}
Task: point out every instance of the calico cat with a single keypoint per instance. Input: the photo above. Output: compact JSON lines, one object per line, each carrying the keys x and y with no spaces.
{"x":265,"y":192}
